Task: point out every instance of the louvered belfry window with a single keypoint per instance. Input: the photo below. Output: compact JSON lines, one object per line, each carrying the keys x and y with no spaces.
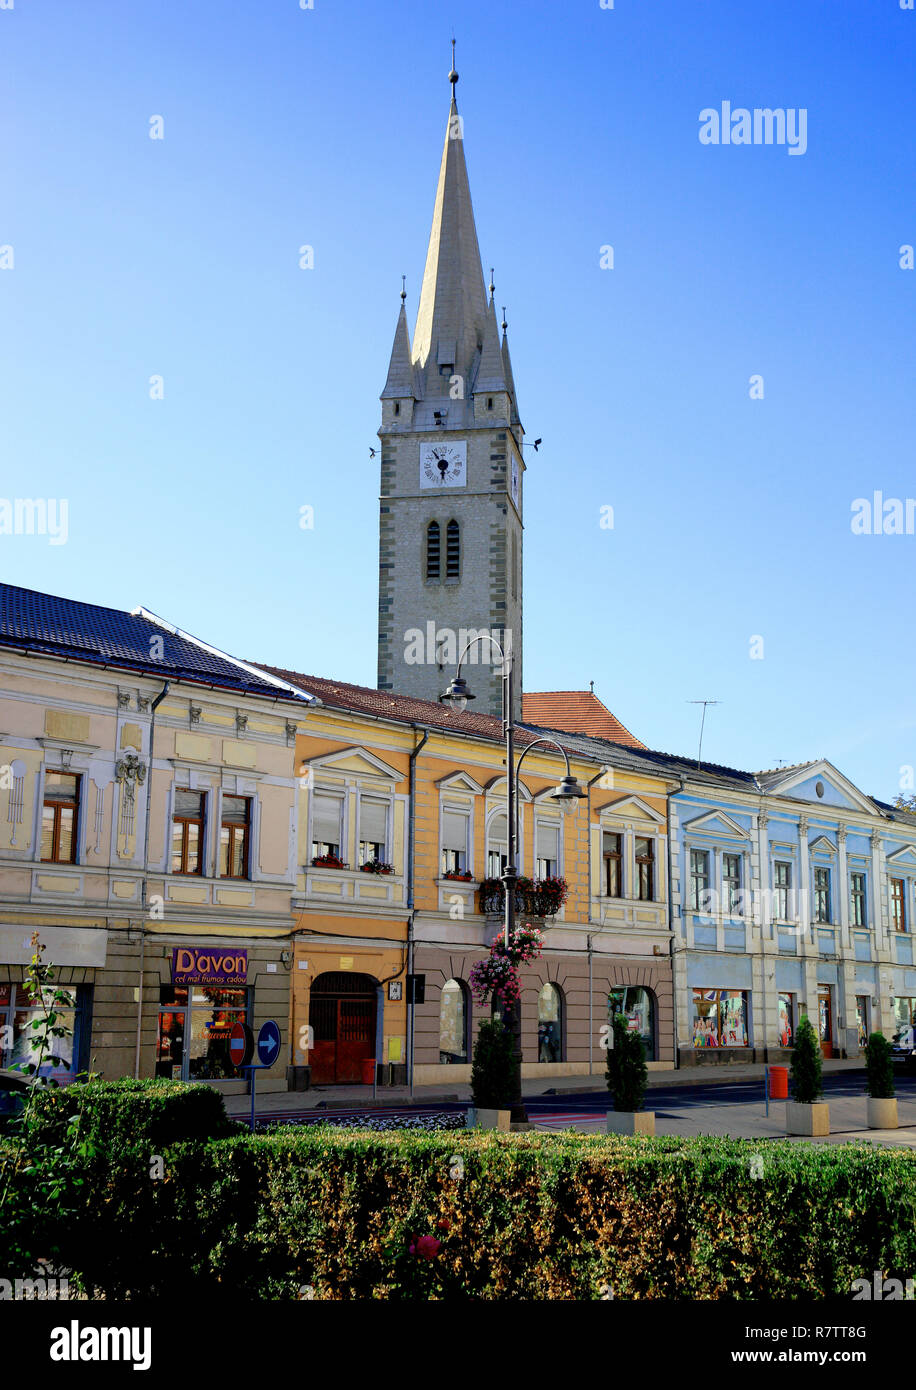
{"x":432,"y":550}
{"x":452,"y":550}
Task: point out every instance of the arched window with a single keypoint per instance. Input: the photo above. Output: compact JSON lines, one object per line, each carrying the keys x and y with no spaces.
{"x":550,"y":1024}
{"x":454,"y":1019}
{"x":452,"y":550}
{"x":432,"y":550}
{"x":497,"y":846}
{"x":638,"y":1007}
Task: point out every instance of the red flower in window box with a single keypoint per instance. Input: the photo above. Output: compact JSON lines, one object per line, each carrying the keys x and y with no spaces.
{"x":460,"y":877}
{"x":328,"y":861}
{"x":375,"y":866}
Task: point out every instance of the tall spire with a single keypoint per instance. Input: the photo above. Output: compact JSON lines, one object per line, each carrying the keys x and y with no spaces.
{"x":400,"y":381}
{"x":507,"y":369}
{"x":452,"y":313}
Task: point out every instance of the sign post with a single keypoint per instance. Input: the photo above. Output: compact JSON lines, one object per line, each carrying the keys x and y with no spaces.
{"x":268,"y":1045}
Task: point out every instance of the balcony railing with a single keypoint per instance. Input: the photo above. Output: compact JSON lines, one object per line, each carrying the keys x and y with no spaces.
{"x":533,"y":898}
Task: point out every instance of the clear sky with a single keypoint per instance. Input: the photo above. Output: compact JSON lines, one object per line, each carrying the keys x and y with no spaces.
{"x":283,"y":127}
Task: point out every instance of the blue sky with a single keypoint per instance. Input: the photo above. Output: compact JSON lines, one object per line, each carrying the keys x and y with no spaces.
{"x":284,"y":127}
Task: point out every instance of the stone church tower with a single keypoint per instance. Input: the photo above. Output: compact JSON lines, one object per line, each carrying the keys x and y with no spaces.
{"x":450,"y":516}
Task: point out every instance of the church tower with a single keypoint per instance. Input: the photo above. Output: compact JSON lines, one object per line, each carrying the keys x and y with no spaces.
{"x":450,"y":514}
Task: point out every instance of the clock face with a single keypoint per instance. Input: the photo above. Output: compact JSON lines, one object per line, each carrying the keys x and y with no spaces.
{"x":515,"y":476}
{"x":444,"y":465}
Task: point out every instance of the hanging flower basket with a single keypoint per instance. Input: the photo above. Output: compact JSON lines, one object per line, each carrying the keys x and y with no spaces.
{"x":497,"y":974}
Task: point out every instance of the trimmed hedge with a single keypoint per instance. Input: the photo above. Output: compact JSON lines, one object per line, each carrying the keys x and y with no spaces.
{"x":527,"y":1216}
{"x":119,"y":1114}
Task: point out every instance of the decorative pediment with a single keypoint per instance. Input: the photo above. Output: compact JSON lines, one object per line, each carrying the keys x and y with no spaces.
{"x":904,"y":857}
{"x":459,"y":782}
{"x":716,"y":823}
{"x":497,"y":787}
{"x":802,"y":783}
{"x":355,"y":762}
{"x":631,"y":808}
{"x":822,"y":845}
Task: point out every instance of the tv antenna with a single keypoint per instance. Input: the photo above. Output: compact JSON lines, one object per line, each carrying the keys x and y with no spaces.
{"x":704,"y":703}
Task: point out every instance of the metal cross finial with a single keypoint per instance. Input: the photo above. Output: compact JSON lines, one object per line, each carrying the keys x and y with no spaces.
{"x":453,"y":76}
{"x":505,"y":325}
{"x":492,"y":286}
{"x":403,"y":288}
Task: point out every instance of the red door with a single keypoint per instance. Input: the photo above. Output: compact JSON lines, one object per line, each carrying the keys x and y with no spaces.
{"x":342,"y":1011}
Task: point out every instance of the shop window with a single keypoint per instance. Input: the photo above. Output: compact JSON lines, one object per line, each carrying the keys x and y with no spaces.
{"x":548,"y":849}
{"x":188,"y":832}
{"x":786,"y":1019}
{"x":782,"y":880}
{"x":822,"y":895}
{"x":905,"y":1021}
{"x":192,"y":1042}
{"x":699,"y":880}
{"x":234,"y":837}
{"x":612,"y":846}
{"x":454,"y":1021}
{"x":327,"y":822}
{"x":731,"y":883}
{"x":862,"y":1019}
{"x":17,"y":1015}
{"x":898,"y":904}
{"x":720,"y":1018}
{"x":455,"y":834}
{"x":645,"y":868}
{"x":59,"y":818}
{"x":373,"y":831}
{"x":497,"y":846}
{"x":550,"y":1024}
{"x":637,"y":1005}
{"x":857,"y":899}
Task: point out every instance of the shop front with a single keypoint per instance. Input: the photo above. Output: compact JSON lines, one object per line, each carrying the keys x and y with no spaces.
{"x":717,"y":1019}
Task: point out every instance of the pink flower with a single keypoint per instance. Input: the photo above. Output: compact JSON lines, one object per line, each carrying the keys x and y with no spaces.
{"x":425,"y":1247}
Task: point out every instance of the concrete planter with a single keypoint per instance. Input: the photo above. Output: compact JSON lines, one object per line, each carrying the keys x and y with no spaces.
{"x":493,"y":1119}
{"x":630,"y":1121}
{"x":882,"y":1113}
{"x":812,"y":1120}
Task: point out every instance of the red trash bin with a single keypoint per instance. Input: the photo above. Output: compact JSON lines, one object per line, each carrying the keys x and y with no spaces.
{"x":368,"y":1071}
{"x":779,"y":1083}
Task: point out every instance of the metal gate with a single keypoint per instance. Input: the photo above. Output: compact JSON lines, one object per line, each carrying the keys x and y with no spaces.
{"x":342,"y":1010}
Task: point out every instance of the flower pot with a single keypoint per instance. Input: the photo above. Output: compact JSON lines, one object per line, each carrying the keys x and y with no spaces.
{"x":812,"y":1120}
{"x":630,"y":1122}
{"x":882,"y":1112}
{"x":494,"y":1119}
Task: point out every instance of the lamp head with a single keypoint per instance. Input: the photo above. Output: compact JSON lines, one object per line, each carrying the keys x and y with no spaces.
{"x":457,"y":694}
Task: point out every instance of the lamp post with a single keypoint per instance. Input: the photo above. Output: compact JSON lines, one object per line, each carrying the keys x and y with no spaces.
{"x":567,"y":793}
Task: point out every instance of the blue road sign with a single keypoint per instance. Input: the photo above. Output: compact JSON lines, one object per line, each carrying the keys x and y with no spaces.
{"x":268,"y":1043}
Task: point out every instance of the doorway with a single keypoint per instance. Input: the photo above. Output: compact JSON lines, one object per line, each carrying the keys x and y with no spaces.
{"x":825,"y":1020}
{"x":342,"y":1012}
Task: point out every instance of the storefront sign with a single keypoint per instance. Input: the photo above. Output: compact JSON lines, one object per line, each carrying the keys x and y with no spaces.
{"x":209,"y":965}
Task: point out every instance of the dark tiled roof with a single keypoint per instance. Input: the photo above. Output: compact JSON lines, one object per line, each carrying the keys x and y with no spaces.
{"x":61,"y":627}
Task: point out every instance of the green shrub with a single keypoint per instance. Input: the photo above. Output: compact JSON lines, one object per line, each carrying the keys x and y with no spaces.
{"x":879,"y":1066}
{"x":806,"y":1064}
{"x":627,"y":1073}
{"x":492,"y":1068}
{"x":131,"y":1114}
{"x":528,"y":1216}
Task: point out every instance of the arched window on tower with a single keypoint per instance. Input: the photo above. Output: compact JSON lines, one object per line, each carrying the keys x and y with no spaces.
{"x":432,"y":550}
{"x":452,"y":550}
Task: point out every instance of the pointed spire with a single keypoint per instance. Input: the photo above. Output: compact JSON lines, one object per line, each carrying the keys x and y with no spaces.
{"x":507,"y":369}
{"x":452,"y":313}
{"x":491,"y":375}
{"x":401,"y":380}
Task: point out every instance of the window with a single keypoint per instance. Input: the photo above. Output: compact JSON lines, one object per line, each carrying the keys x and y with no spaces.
{"x":452,"y":550}
{"x":550,"y":1024}
{"x":327,"y":816}
{"x":547,"y":849}
{"x":786,"y":1019}
{"x":699,"y":879}
{"x":373,"y":831}
{"x":432,"y":550}
{"x":454,"y":1016}
{"x":822,"y":895}
{"x":782,"y":878}
{"x":58,"y":818}
{"x":731,"y":883}
{"x":898,"y":904}
{"x":719,"y":1018}
{"x":497,"y":846}
{"x":613,"y":864}
{"x":905,"y":1022}
{"x":188,"y":832}
{"x":397,"y":407}
{"x":638,"y":1008}
{"x":514,"y":549}
{"x":192,"y":1041}
{"x":645,"y":868}
{"x":18,"y":1013}
{"x":454,"y":842}
{"x":489,"y":402}
{"x":857,"y":895}
{"x":233,"y":837}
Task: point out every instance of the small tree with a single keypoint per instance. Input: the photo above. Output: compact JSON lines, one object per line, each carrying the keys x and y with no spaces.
{"x":492,"y":1068}
{"x":627,"y":1073}
{"x":806,"y":1065}
{"x":879,"y":1066}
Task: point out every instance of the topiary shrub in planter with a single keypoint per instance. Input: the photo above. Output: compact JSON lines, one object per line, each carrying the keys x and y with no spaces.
{"x":879,"y":1067}
{"x":492,"y":1075}
{"x":806,"y":1113}
{"x":627,"y":1077}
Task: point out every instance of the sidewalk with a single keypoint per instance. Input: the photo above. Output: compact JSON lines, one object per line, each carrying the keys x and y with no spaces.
{"x":360,"y":1097}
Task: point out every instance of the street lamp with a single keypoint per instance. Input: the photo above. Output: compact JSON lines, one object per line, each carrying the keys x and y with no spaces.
{"x":567,"y":793}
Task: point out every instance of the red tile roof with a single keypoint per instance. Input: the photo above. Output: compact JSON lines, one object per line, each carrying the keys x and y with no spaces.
{"x":578,"y":712}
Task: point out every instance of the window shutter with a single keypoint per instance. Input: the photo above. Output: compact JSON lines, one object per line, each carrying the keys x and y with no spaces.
{"x":452,"y":550}
{"x":189,"y":803}
{"x":326,"y":819}
{"x":432,"y":550}
{"x":235,"y":810}
{"x":548,"y":841}
{"x":373,"y":822}
{"x":454,"y":831}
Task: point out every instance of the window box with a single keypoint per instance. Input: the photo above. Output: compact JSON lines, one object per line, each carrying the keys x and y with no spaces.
{"x":459,"y":875}
{"x":328,"y":861}
{"x":375,"y":866}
